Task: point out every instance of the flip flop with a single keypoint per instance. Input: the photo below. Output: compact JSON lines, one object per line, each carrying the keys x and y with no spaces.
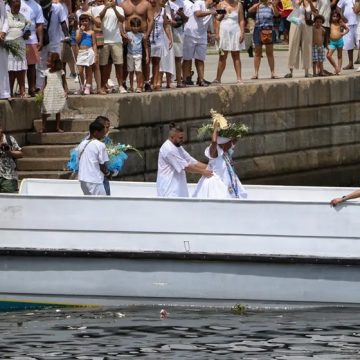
{"x":288,"y":76}
{"x":254,"y":77}
{"x":348,"y":67}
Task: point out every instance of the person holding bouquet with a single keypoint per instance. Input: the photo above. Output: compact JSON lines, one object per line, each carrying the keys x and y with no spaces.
{"x":17,"y":35}
{"x":225,"y":184}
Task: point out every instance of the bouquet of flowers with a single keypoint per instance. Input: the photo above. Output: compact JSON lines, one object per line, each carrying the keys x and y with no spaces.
{"x":227,"y":130}
{"x":117,"y":157}
{"x":14,"y":47}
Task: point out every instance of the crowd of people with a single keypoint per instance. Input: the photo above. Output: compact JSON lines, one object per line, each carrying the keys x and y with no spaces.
{"x":148,"y":41}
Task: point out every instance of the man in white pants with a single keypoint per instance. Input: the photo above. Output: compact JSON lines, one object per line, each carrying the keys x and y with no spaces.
{"x":92,"y":161}
{"x":195,"y":37}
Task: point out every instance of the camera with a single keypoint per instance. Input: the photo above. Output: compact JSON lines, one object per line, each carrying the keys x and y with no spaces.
{"x":4,"y":147}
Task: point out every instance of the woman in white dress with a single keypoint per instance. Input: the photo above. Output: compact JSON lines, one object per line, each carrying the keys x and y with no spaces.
{"x":17,"y":65}
{"x":229,"y":32}
{"x":224,"y":184}
{"x":159,"y":44}
{"x":4,"y":75}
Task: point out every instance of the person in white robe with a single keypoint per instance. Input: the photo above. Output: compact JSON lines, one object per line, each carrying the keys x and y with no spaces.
{"x":225,"y":184}
{"x":4,"y":75}
{"x":173,"y":163}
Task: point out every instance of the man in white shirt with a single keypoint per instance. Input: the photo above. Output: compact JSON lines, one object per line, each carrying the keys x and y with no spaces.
{"x":32,"y":12}
{"x":173,"y":163}
{"x":195,"y":37}
{"x":346,"y":8}
{"x":110,"y":17}
{"x":92,"y":161}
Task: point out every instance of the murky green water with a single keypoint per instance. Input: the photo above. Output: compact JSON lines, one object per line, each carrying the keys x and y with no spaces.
{"x":187,"y":333}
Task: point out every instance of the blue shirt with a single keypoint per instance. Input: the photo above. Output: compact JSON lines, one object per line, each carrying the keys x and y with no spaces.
{"x":135,"y":46}
{"x":264,"y":17}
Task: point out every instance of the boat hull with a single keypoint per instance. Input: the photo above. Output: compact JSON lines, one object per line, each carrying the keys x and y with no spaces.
{"x":78,"y":250}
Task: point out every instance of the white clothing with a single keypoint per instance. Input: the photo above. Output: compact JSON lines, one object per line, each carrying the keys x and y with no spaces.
{"x":171,"y":176}
{"x":92,"y":189}
{"x":32,"y":12}
{"x":158,"y":42}
{"x":358,"y":32}
{"x":347,"y":8}
{"x":197,"y":27}
{"x":222,"y":168}
{"x":350,"y":42}
{"x":56,"y":35}
{"x":324,"y":9}
{"x":80,"y":12}
{"x":134,"y":63}
{"x":54,"y":93}
{"x":230,"y":32}
{"x":42,"y":66}
{"x":110,"y":24}
{"x":167,"y":62}
{"x":92,"y":154}
{"x":192,"y":49}
{"x":4,"y":75}
{"x":86,"y":57}
{"x":16,"y":26}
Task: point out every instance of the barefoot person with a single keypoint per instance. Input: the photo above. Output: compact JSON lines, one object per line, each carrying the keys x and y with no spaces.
{"x":173,"y":163}
{"x":55,"y":91}
{"x":318,"y":53}
{"x":337,"y":30}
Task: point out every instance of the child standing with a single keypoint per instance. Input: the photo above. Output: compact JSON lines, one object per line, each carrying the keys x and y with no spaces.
{"x":318,"y":53}
{"x":337,"y":30}
{"x":55,"y":91}
{"x":134,"y":55}
{"x":85,"y":37}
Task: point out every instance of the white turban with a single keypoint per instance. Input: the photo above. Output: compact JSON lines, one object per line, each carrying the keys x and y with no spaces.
{"x":222,"y":140}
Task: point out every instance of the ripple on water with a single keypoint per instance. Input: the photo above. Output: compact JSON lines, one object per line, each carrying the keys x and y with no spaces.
{"x":101,"y":334}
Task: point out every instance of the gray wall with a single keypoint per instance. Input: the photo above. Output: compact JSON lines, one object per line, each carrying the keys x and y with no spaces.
{"x":303,"y":132}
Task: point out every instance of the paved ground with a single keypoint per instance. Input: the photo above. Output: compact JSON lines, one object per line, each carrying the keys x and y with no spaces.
{"x":247,"y":68}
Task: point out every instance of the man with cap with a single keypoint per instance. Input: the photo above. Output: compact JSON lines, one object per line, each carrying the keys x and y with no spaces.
{"x":173,"y":163}
{"x":225,"y":183}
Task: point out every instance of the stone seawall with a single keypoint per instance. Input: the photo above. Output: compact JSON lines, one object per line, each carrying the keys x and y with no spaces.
{"x":304,"y":132}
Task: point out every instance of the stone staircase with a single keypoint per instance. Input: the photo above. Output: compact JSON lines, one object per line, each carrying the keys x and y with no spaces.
{"x":46,"y":155}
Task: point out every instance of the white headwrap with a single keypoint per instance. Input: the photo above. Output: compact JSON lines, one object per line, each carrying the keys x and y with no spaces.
{"x":222,"y":140}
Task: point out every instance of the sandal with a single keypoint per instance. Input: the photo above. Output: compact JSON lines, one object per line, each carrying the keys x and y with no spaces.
{"x":255,"y":77}
{"x":348,"y":67}
{"x":288,"y":76}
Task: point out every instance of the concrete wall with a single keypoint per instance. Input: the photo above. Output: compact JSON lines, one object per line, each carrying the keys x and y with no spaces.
{"x":302,"y":131}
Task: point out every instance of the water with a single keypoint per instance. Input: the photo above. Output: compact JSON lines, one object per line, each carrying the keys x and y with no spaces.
{"x":187,"y":333}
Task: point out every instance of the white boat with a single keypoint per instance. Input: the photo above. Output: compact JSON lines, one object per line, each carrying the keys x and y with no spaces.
{"x":282,"y":244}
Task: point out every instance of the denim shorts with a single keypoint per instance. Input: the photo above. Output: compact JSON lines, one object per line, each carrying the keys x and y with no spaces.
{"x":256,"y":36}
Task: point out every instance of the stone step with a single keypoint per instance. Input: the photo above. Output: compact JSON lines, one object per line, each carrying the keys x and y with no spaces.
{"x":67,"y":124}
{"x":44,"y":174}
{"x":36,"y":164}
{"x":55,"y":138}
{"x":47,"y":151}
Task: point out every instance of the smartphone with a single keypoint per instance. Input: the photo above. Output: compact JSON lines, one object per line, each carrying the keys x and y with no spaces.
{"x":221,"y":11}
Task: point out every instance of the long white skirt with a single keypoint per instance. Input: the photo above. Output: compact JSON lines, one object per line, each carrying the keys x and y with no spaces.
{"x":86,"y":57}
{"x":211,"y":188}
{"x":167,"y":62}
{"x":4,"y":75}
